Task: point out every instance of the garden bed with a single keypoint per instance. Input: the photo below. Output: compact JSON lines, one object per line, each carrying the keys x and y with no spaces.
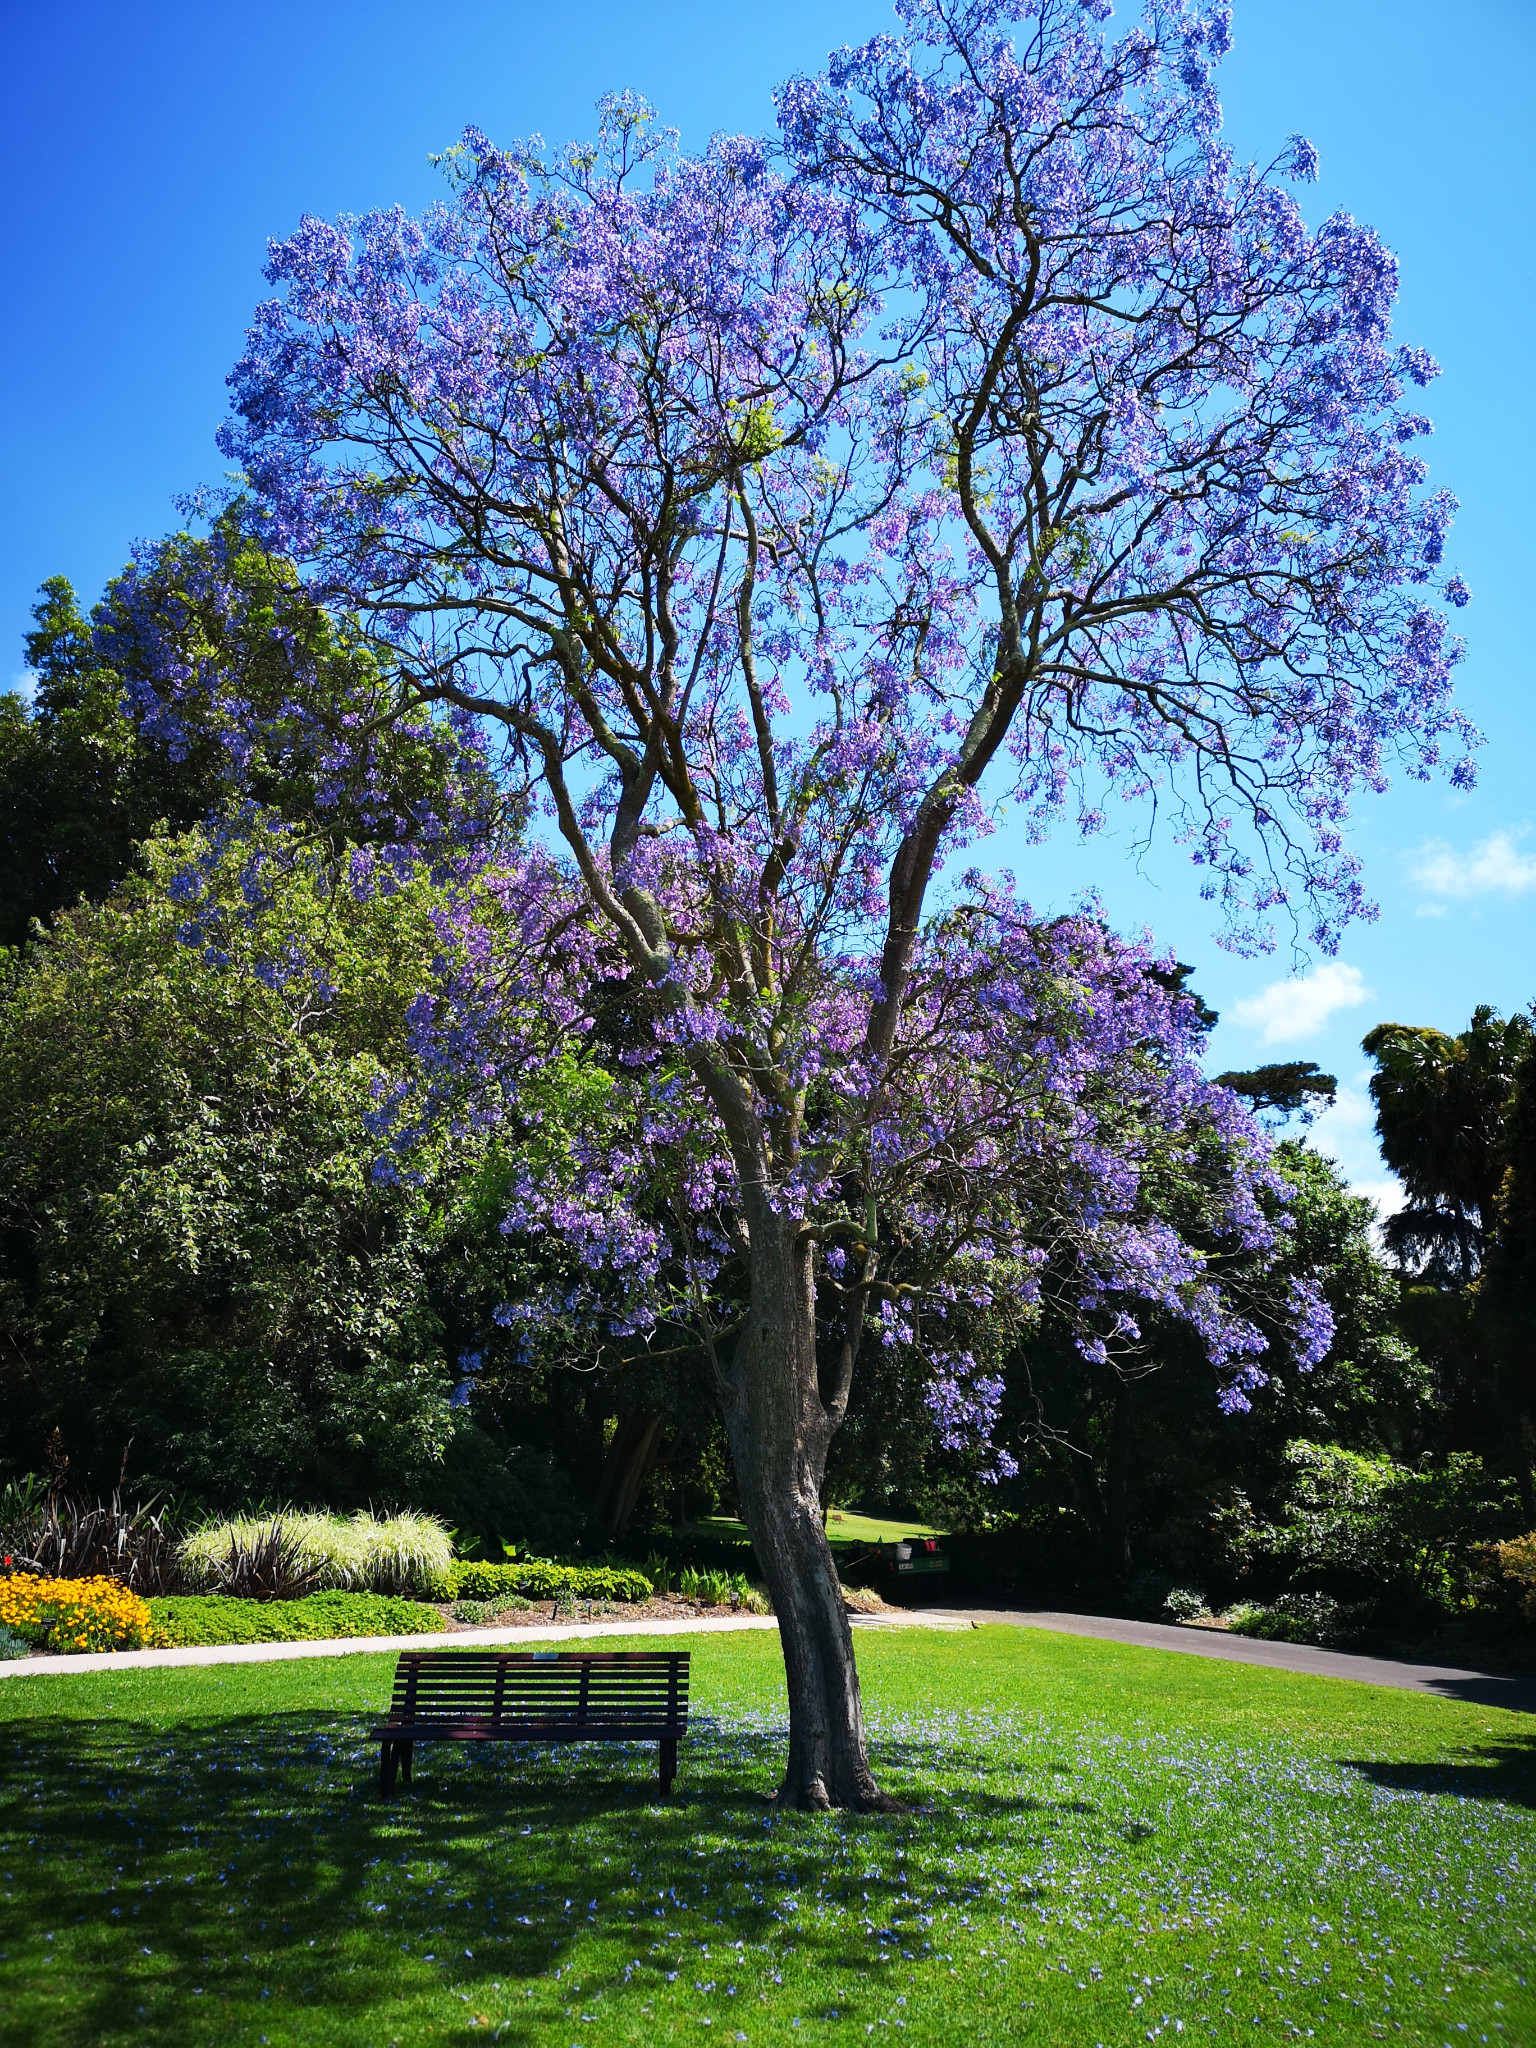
{"x":541,"y":1613}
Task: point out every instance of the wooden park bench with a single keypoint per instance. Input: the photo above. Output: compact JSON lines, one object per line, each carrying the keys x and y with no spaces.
{"x":534,"y":1696}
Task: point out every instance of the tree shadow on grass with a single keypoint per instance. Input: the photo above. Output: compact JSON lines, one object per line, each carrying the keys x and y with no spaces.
{"x":1505,"y":1772}
{"x":236,"y":1877}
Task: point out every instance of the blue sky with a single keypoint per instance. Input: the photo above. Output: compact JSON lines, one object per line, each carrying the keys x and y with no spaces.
{"x":147,"y":150}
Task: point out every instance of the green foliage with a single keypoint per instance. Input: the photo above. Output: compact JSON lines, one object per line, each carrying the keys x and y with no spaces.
{"x":1184,"y":1603}
{"x":77,"y":788}
{"x":1289,"y":1088}
{"x":194,"y":1253}
{"x":535,"y":1580}
{"x":722,"y":1589}
{"x":83,"y":782}
{"x":478,"y":1612}
{"x":1441,"y":1102}
{"x":498,"y":1495}
{"x":194,"y":1619}
{"x":1371,"y":1527}
{"x":1296,"y":1618}
{"x":1510,"y":1582}
{"x":406,"y":1554}
{"x":1123,"y":1474}
{"x":1506,"y":1291}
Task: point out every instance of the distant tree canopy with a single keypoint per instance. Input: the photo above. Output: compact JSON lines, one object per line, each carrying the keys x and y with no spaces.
{"x":88,"y":771}
{"x":1291,"y":1088}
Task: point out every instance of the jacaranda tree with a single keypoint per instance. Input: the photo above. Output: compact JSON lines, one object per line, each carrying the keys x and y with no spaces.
{"x":780,"y":513}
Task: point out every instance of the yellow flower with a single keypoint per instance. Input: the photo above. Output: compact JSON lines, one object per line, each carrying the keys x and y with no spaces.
{"x":76,"y":1614}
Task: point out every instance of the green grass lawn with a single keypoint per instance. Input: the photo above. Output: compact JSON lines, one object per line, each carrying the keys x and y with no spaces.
{"x":843,"y":1526}
{"x":1110,"y":1845}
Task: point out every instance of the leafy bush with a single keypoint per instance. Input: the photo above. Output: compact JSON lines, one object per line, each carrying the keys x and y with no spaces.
{"x":478,"y":1612}
{"x":1366,"y":1527}
{"x":492,"y":1492}
{"x":13,"y":1645}
{"x":74,"y":1614}
{"x":1297,"y":1618}
{"x":1517,"y":1562}
{"x":259,"y":1564}
{"x":405,"y":1554}
{"x":1509,"y":1579}
{"x":535,"y":1580}
{"x":207,"y":1618}
{"x":1147,"y":1593}
{"x":1185,"y":1604}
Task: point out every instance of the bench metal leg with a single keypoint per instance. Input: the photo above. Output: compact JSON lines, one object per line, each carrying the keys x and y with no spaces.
{"x":668,"y":1766}
{"x":393,"y":1756}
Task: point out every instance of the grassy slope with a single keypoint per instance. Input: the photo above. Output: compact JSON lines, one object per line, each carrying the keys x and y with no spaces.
{"x":843,"y":1526}
{"x":1116,"y":1844}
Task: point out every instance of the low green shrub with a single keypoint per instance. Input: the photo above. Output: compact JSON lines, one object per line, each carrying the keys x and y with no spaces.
{"x":407,"y":1554}
{"x":207,"y":1618}
{"x":1185,"y":1603}
{"x":1515,"y":1569}
{"x":1368,"y":1529}
{"x":478,"y":1612}
{"x":13,"y":1645}
{"x":1298,"y":1618}
{"x":535,"y":1580}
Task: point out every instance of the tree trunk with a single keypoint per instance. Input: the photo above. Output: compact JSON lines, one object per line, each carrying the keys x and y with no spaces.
{"x":631,"y":1458}
{"x":780,"y":1432}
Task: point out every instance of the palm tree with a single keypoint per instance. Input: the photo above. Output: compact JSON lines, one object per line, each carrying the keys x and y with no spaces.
{"x":1441,"y":1104}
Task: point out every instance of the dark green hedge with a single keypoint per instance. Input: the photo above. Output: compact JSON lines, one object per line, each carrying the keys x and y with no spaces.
{"x":207,"y":1618}
{"x":536,"y":1581}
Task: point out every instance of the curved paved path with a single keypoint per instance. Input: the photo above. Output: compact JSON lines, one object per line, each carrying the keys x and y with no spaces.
{"x":1446,"y":1681}
{"x":1484,"y":1688}
{"x":348,"y":1646}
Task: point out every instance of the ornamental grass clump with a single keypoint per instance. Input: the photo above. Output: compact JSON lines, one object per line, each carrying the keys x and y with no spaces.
{"x":74,"y":1614}
{"x":65,"y":1538}
{"x":723,"y":1589}
{"x":403,"y":1555}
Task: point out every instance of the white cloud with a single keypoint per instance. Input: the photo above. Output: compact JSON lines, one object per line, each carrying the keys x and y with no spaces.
{"x":1346,"y":1132}
{"x":1294,"y":1009}
{"x":1494,"y":867}
{"x":1386,"y":1194}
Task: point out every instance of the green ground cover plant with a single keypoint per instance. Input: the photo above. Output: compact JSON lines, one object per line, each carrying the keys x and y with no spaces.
{"x":532,"y":1579}
{"x":189,"y":1619}
{"x":1107,"y":1844}
{"x":479,"y":1612}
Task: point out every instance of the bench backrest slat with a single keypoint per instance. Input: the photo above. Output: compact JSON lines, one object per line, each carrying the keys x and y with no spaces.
{"x":634,"y":1688}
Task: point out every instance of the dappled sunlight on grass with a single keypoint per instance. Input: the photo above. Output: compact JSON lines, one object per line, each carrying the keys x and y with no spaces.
{"x":1102,"y":1849}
